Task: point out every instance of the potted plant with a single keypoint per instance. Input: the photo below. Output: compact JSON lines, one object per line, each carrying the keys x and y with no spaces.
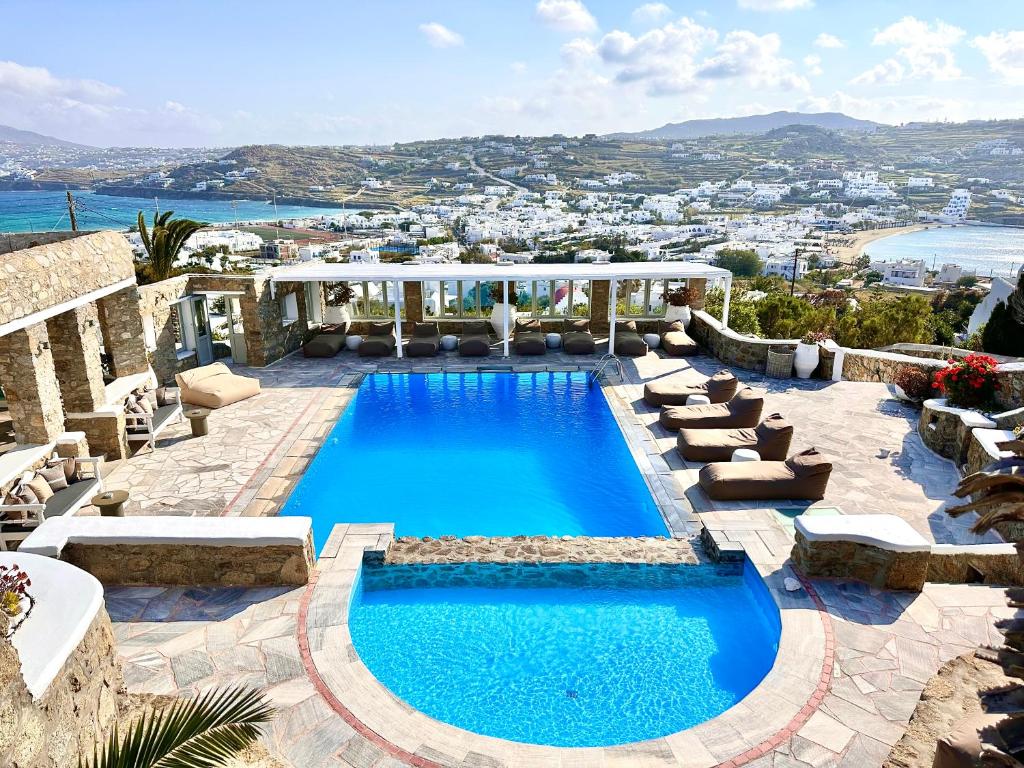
{"x":679,"y":305}
{"x":912,"y":384}
{"x":15,"y":601}
{"x":968,"y":383}
{"x":807,"y":355}
{"x":338,"y":296}
{"x":498,"y":311}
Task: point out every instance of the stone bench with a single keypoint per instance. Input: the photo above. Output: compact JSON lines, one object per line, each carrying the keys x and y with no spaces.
{"x":184,"y":551}
{"x":882,"y":550}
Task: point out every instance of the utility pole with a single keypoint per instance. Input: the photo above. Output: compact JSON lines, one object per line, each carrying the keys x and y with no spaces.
{"x":792,"y":282}
{"x":71,"y":212}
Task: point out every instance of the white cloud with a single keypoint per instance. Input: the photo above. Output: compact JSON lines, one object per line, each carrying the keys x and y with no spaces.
{"x":755,"y":59}
{"x":651,"y":13}
{"x":439,"y":36}
{"x":519,"y":67}
{"x":566,"y":15}
{"x":662,"y":58}
{"x":775,"y":5}
{"x":1004,"y":52}
{"x":38,"y":82}
{"x":578,"y":52}
{"x":813,"y":64}
{"x":889,"y":71}
{"x":825,"y":40}
{"x":926,"y":48}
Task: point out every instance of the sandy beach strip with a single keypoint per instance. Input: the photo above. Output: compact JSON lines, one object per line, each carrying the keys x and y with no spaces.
{"x":855,"y":243}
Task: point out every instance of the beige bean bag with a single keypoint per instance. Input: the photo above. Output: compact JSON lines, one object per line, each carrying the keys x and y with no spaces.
{"x":672,"y":391}
{"x":214,"y":386}
{"x":802,"y":476}
{"x":675,"y":341}
{"x":744,"y":410}
{"x":770,"y":438}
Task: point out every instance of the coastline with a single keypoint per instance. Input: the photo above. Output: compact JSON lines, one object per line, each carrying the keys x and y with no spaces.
{"x":848,"y":254}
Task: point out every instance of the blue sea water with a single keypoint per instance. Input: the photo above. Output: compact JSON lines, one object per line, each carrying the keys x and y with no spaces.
{"x":566,"y":655}
{"x":35,"y":211}
{"x":490,"y":454}
{"x":992,"y":251}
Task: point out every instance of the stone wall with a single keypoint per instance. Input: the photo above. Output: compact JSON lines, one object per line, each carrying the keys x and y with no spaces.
{"x":732,"y":348}
{"x":541,"y":549}
{"x":412,"y":292}
{"x":75,"y":345}
{"x":124,"y":339}
{"x":878,"y":567}
{"x":106,"y":430}
{"x":35,"y":279}
{"x":193,"y":564}
{"x":17,"y":241}
{"x":986,"y":564}
{"x":1011,"y":386}
{"x":29,"y":379}
{"x":875,"y":365}
{"x":156,"y":301}
{"x":77,"y":710}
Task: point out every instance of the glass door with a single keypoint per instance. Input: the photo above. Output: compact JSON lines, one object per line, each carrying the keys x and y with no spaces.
{"x":204,"y":338}
{"x":236,"y":332}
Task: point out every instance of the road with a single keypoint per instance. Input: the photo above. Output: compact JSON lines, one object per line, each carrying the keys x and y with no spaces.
{"x":488,"y":174}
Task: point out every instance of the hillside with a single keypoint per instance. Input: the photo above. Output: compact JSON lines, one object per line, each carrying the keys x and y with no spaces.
{"x":751,"y":124}
{"x":33,"y":139}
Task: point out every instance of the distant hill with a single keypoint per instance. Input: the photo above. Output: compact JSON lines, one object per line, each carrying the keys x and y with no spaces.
{"x":752,"y":124}
{"x":31,"y":138}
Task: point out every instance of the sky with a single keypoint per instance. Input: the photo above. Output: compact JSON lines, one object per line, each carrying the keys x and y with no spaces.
{"x":223,"y":73}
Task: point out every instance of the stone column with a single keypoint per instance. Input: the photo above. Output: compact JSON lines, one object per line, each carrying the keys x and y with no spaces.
{"x":600,"y":295}
{"x":699,"y":286}
{"x":30,"y":382}
{"x":412,"y":292}
{"x":75,"y":345}
{"x":120,"y":317}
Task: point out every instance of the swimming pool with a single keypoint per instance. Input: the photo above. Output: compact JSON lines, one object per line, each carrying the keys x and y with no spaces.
{"x":489,"y":454}
{"x":566,"y":655}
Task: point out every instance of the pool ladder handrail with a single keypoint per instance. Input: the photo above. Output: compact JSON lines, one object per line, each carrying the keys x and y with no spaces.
{"x":606,"y":360}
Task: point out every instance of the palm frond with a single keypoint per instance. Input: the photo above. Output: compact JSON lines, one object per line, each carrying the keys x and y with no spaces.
{"x":204,"y":732}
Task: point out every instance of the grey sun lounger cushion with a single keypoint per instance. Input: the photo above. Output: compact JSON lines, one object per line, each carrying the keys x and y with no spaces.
{"x":744,"y":410}
{"x":576,"y":338}
{"x":770,"y":438}
{"x":720,"y":388}
{"x":527,"y":338}
{"x":380,"y":342}
{"x":627,"y":341}
{"x":324,"y":345}
{"x":674,"y":339}
{"x":475,"y":340}
{"x":425,"y":341}
{"x":802,"y":476}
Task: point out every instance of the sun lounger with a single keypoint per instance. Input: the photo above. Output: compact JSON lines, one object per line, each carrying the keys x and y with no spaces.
{"x":380,"y":342}
{"x":425,"y":341}
{"x":214,"y":386}
{"x":672,"y":391}
{"x":744,"y":410}
{"x":627,"y":341}
{"x":527,"y":338}
{"x":475,"y":340}
{"x":770,"y":438}
{"x":675,"y":341}
{"x":324,"y":345}
{"x":576,"y":338}
{"x":802,"y":476}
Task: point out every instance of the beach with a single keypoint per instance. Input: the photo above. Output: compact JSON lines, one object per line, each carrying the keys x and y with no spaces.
{"x":857,"y":241}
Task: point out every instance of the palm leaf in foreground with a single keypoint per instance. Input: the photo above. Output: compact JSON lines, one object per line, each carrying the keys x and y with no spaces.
{"x":204,"y":732}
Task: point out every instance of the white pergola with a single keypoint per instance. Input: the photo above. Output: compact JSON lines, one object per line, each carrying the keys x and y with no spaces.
{"x":323,"y":272}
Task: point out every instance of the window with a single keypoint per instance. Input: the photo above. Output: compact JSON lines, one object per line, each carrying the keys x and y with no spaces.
{"x":374,"y":300}
{"x":643,"y":298}
{"x":289,"y":308}
{"x":149,"y":332}
{"x":468,"y":299}
{"x":314,"y":305}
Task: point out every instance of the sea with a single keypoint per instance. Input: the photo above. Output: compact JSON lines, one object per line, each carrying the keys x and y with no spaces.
{"x":990,"y":251}
{"x":44,"y":211}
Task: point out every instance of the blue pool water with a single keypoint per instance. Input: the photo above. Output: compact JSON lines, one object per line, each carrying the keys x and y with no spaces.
{"x":488,"y":454}
{"x":566,"y":655}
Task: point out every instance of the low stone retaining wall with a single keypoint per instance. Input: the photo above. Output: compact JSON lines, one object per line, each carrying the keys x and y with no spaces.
{"x":236,"y":552}
{"x":979,"y":563}
{"x":878,"y":567}
{"x":732,"y":348}
{"x":876,"y":365}
{"x":982,"y":450}
{"x":947,"y":430}
{"x":541,"y":549}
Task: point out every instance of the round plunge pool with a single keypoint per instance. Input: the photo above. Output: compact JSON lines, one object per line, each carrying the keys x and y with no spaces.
{"x":566,"y":655}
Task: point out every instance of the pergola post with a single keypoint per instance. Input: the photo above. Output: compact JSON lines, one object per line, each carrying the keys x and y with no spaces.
{"x":504,"y":319}
{"x":611,"y":317}
{"x":725,"y":304}
{"x":398,"y":316}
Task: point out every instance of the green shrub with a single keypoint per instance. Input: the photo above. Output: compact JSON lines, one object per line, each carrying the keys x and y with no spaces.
{"x":881,"y":322}
{"x":742,"y":313}
{"x":789,"y":317}
{"x":1004,"y":332}
{"x":741,"y":263}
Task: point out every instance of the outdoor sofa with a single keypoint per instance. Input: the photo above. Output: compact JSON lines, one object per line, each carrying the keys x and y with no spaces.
{"x":720,"y":388}
{"x":744,"y":410}
{"x":674,"y":339}
{"x":425,"y":341}
{"x":380,"y":341}
{"x":577,"y":338}
{"x":72,"y":482}
{"x":527,"y":338}
{"x":770,"y":438}
{"x":147,"y":413}
{"x":324,"y":345}
{"x":627,"y":341}
{"x":802,"y":476}
{"x":475,"y":340}
{"x":214,"y":386}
